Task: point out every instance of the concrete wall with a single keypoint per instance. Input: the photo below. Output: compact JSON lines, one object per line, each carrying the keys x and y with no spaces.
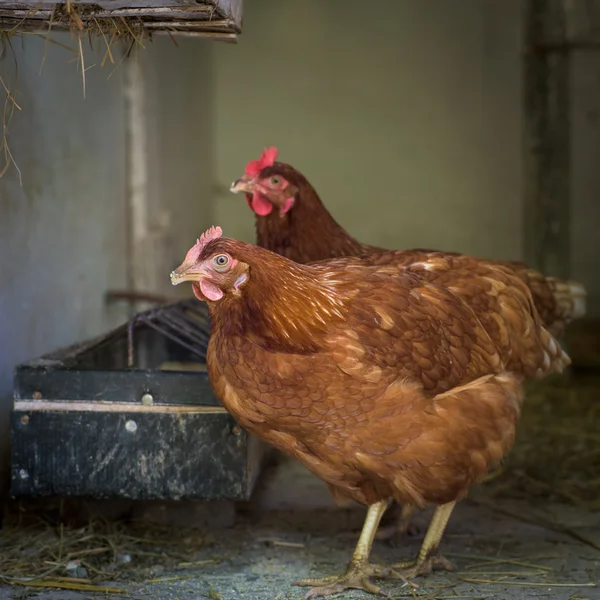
{"x":179,"y":153}
{"x":64,"y":233}
{"x":585,"y":186}
{"x":406,"y":116}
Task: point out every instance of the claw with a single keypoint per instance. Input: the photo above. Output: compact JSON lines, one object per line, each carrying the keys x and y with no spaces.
{"x":356,"y":577}
{"x":408,"y":570}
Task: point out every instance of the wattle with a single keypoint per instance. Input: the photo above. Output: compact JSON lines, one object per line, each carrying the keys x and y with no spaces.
{"x":197,"y":292}
{"x":260,"y":205}
{"x":210,"y":290}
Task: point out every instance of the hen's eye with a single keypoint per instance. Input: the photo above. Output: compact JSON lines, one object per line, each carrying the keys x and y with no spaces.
{"x":275,"y":180}
{"x":221,"y":261}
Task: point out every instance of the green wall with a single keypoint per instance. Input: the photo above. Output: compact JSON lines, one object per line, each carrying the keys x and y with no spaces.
{"x":406,"y":117}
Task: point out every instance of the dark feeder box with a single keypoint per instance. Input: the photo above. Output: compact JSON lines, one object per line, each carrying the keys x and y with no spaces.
{"x":131,"y":415}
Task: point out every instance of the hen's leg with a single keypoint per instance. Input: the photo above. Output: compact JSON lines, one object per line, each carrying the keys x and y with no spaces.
{"x":401,"y":525}
{"x":427,"y":560}
{"x":359,"y":570}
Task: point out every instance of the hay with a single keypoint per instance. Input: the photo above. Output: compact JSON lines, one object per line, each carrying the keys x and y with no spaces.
{"x":83,"y":21}
{"x":38,"y":554}
{"x":9,"y":106}
{"x":557,"y":453}
{"x":102,"y":34}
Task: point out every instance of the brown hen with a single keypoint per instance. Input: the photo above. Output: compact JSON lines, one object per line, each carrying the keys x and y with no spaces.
{"x":384,"y":384}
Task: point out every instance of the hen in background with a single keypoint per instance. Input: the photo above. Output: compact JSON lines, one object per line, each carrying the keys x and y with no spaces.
{"x":383,"y":384}
{"x":292,"y":220}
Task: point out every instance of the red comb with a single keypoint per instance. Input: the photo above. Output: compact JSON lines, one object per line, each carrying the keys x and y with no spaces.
{"x":208,"y":236}
{"x":267,"y":158}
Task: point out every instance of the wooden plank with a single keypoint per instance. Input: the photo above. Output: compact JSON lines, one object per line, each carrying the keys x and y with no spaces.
{"x":547,"y":242}
{"x":232,"y":9}
{"x":41,"y":26}
{"x":172,"y":15}
{"x":208,"y":8}
{"x":227,"y":38}
{"x":120,"y":407}
{"x":152,"y":13}
{"x":219,"y":9}
{"x":215,"y":26}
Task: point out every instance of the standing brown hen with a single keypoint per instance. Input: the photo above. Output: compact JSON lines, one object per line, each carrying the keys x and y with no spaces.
{"x":383,"y":384}
{"x":292,"y":221}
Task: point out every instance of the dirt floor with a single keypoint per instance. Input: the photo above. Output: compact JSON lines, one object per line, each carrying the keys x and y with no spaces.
{"x":508,"y":540}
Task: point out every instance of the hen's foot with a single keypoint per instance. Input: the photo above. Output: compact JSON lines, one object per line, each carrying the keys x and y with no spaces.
{"x":400,"y":526}
{"x":356,"y":577}
{"x":395,"y":532}
{"x":408,"y":570}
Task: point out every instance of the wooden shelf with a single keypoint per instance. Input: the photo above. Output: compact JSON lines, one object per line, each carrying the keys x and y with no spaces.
{"x":215,"y":19}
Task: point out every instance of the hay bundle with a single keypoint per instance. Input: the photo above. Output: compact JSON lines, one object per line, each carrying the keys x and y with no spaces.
{"x":216,"y":19}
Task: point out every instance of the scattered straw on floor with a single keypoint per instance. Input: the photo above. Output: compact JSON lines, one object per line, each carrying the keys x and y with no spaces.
{"x":41,"y":555}
{"x":557,"y":453}
{"x":510,"y":572}
{"x":556,"y":458}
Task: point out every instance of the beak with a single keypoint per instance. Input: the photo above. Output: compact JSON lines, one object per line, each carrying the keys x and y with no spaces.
{"x":242,"y":185}
{"x":185,"y":273}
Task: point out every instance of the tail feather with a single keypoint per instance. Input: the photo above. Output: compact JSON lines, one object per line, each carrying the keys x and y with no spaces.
{"x":570,"y":297}
{"x":555,"y":358}
{"x":558,"y":301}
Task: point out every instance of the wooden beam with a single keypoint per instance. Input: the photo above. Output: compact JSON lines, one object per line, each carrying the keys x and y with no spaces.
{"x":206,"y":6}
{"x":41,"y":27}
{"x":547,"y":242}
{"x":217,"y":19}
{"x":231,"y":9}
{"x":186,"y":12}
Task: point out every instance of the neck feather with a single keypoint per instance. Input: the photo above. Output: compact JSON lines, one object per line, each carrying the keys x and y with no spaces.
{"x":284,"y":307}
{"x":307,"y":232}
